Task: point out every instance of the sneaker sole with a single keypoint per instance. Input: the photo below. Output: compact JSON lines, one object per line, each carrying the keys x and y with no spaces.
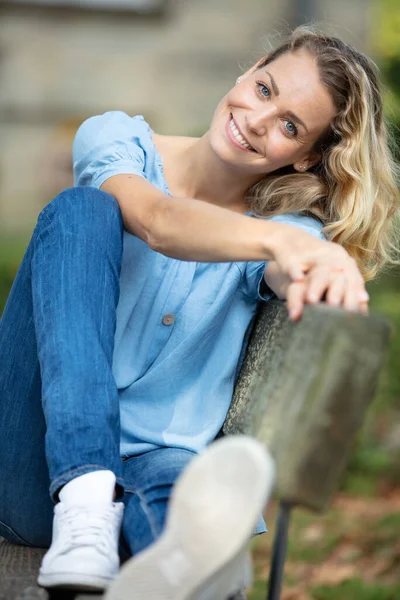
{"x":213,"y":510}
{"x":74,"y":581}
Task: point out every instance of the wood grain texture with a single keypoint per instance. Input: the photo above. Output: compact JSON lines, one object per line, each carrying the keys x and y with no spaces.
{"x":304,"y":390}
{"x":19,"y":567}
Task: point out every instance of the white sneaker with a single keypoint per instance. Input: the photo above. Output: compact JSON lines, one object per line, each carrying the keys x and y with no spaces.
{"x":84,"y":549}
{"x":202,"y":553}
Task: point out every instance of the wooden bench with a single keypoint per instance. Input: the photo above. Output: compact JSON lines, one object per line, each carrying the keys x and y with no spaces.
{"x":303,"y":391}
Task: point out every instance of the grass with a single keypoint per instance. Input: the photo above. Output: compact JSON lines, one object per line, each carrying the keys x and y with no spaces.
{"x":356,"y":589}
{"x":12,"y":249}
{"x":351,"y":552}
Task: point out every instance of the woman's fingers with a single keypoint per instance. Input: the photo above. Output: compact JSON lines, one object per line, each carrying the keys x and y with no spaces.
{"x":351,"y":301}
{"x":356,"y":282}
{"x":337,"y":290}
{"x":296,"y":271}
{"x":319,"y":270}
{"x":342,"y":284}
{"x":343,"y":293}
{"x":295,"y":299}
{"x":340,"y":289}
{"x":318,"y":281}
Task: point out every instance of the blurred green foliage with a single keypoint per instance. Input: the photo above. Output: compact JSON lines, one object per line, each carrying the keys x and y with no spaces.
{"x":377,"y":452}
{"x":356,"y":589}
{"x":11,"y":251}
{"x":385,"y":37}
{"x":376,"y":458}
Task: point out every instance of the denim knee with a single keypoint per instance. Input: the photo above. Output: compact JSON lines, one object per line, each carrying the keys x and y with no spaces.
{"x":86,"y":207}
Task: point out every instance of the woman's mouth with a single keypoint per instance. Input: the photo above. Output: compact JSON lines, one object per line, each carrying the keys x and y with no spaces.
{"x":236,"y":136}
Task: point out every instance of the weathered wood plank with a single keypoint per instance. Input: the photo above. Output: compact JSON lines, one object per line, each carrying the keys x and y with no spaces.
{"x":19,"y":567}
{"x":304,"y":389}
{"x":18,"y":572}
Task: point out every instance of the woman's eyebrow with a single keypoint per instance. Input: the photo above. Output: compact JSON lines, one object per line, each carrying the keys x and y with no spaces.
{"x":289,"y":113}
{"x":296,"y":119}
{"x":274,"y":86}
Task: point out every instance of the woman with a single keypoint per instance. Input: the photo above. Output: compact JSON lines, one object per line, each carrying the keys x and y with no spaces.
{"x":110,"y":330}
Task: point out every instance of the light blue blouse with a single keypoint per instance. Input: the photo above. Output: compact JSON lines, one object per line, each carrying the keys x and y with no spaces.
{"x":182,"y":327}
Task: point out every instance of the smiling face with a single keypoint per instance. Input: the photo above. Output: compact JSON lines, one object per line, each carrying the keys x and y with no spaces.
{"x":273,"y":117}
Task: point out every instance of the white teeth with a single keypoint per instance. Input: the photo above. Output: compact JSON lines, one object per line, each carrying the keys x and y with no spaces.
{"x":237,"y":135}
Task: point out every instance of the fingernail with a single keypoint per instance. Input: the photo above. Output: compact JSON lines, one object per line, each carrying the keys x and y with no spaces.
{"x":313,"y":298}
{"x":363,"y":296}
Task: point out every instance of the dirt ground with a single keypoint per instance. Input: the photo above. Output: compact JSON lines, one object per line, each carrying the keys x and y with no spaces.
{"x":350,"y":553}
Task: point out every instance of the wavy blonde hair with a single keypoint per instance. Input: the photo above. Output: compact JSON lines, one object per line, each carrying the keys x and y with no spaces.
{"x":353,"y":189}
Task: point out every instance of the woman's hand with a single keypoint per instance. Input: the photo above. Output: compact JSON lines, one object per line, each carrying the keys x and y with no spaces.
{"x":339,"y":292}
{"x":314,"y":269}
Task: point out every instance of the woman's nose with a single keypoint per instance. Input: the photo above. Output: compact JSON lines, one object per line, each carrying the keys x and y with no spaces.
{"x":259,"y":120}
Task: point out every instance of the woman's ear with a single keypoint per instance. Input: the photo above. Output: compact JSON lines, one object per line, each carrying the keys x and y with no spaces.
{"x":313,"y":159}
{"x":308,"y":161}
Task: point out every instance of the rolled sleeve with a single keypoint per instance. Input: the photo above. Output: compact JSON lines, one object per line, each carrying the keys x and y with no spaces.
{"x":254,"y":283}
{"x":107,"y":145}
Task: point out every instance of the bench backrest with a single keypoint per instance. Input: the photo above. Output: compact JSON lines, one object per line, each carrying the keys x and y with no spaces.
{"x":304,"y":389}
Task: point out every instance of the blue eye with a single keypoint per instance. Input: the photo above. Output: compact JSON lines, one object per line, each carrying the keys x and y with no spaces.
{"x":291,"y":128}
{"x":263,"y":90}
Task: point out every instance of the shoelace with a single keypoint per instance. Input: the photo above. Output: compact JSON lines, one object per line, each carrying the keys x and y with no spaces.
{"x":87,"y":527}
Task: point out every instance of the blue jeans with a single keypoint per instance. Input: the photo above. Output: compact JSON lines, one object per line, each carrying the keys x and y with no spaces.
{"x":59,"y":409}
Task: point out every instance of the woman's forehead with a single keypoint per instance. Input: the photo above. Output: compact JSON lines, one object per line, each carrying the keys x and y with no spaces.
{"x":295,"y":80}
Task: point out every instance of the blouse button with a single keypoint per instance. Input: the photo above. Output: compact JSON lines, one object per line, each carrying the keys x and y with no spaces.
{"x":168,"y":319}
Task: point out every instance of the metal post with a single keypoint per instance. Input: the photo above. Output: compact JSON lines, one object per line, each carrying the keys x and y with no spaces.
{"x":279,"y":552}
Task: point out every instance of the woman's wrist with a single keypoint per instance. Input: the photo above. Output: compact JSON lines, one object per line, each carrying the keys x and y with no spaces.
{"x":275,"y":234}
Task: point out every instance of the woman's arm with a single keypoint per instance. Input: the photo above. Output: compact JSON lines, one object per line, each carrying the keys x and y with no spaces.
{"x":190,"y":229}
{"x":186,"y":228}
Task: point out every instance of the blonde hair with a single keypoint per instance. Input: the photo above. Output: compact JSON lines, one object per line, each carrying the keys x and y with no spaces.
{"x":352,"y":190}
